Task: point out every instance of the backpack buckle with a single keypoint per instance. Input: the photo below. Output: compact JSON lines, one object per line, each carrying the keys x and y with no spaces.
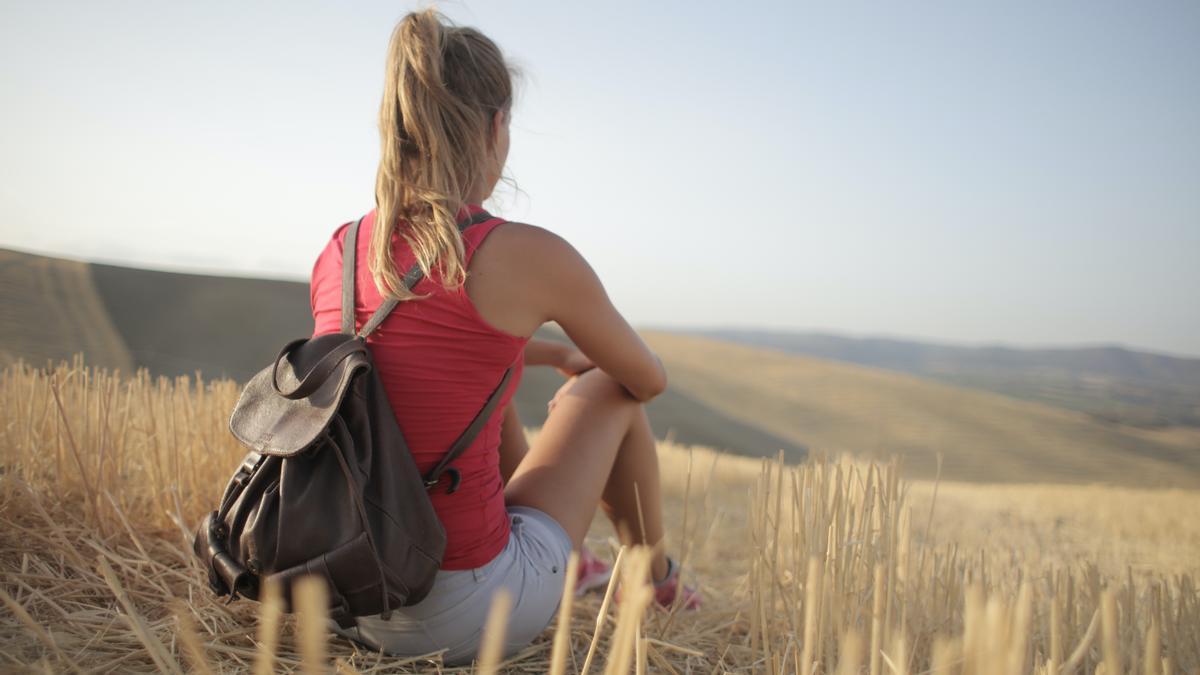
{"x":246,"y":470}
{"x":455,"y":480}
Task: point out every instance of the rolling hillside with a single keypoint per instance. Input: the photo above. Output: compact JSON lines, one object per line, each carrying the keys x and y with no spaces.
{"x":838,"y":407}
{"x":50,"y":309}
{"x":751,"y":400}
{"x":675,"y":415}
{"x":1110,"y":383}
{"x":177,"y":324}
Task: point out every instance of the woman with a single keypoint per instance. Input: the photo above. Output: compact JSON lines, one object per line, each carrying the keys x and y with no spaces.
{"x":444,"y":126}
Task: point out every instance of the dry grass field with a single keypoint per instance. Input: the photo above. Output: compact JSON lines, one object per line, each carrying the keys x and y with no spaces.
{"x":831,"y":566}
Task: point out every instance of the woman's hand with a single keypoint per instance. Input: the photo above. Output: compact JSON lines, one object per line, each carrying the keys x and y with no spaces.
{"x":573,"y":363}
{"x":561,"y":356}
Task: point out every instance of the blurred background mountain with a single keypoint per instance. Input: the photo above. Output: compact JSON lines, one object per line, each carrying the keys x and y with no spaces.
{"x":1088,"y":414}
{"x":1109,"y":382}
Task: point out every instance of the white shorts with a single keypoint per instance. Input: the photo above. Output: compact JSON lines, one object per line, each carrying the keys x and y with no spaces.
{"x":532,"y":567}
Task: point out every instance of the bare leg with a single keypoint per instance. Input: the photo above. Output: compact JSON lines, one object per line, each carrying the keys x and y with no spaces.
{"x":595,"y":445}
{"x":633,"y":494}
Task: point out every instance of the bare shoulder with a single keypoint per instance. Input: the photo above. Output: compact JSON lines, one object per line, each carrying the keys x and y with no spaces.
{"x":526,"y":251}
{"x":517,"y":275}
{"x":526,"y":239}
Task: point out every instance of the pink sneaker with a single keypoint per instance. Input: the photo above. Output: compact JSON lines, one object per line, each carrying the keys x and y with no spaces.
{"x":666,"y":591}
{"x":593,"y":572}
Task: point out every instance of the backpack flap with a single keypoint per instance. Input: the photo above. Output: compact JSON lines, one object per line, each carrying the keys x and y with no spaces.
{"x":285,"y":407}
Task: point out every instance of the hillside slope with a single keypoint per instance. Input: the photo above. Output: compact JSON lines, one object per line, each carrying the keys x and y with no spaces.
{"x":50,"y":309}
{"x":838,"y":407}
{"x":1110,"y":383}
{"x":751,"y":400}
{"x":675,"y":415}
{"x":176,"y":324}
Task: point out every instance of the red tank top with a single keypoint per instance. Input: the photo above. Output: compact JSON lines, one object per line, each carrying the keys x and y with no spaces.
{"x":438,"y":360}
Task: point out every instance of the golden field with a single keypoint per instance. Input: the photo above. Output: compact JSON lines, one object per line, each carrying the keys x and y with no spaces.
{"x":831,"y":566}
{"x":983,"y":437}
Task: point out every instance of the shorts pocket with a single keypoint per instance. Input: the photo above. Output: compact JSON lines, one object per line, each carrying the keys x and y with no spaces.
{"x":542,"y":549}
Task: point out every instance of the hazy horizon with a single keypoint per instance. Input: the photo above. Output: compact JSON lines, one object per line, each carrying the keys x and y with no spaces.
{"x":932,"y":340}
{"x":1019,"y":175}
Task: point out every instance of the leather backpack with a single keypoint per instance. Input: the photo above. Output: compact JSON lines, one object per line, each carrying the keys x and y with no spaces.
{"x":329,"y":486}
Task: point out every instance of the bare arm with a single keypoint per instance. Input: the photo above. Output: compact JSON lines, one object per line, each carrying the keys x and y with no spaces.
{"x":587,"y":315}
{"x":545,"y":353}
{"x":523,"y":276}
{"x":564,"y":358}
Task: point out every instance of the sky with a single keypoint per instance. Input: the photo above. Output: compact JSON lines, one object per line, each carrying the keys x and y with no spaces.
{"x":1024,"y":173}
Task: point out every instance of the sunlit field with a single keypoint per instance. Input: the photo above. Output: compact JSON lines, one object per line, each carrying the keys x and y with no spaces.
{"x":831,"y":566}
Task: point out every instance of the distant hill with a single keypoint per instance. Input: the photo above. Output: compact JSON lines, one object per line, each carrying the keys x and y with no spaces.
{"x":675,"y":414}
{"x":51,"y":309}
{"x":177,"y":324}
{"x":839,"y":407}
{"x":751,"y":400}
{"x":1112,"y":384}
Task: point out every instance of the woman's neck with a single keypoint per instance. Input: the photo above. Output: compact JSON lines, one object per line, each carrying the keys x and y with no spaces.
{"x":481,"y":191}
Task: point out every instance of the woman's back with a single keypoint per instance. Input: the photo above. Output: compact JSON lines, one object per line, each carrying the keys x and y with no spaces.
{"x":444,"y":138}
{"x":439,"y":360}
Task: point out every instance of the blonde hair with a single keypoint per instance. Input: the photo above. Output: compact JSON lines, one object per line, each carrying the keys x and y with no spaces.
{"x":443,"y":86}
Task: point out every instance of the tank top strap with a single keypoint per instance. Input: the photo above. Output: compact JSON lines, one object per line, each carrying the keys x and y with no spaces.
{"x":474,"y":235}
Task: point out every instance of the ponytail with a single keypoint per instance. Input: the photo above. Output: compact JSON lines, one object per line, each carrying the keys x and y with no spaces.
{"x":442,"y":88}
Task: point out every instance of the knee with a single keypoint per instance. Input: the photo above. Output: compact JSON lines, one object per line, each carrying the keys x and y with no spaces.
{"x":599,"y":386}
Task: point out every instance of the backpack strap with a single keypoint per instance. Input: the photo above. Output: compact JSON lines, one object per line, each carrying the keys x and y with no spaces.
{"x":414,"y":275}
{"x":349,"y":253}
{"x":468,"y":435}
{"x":319,"y":373}
{"x":411,"y":278}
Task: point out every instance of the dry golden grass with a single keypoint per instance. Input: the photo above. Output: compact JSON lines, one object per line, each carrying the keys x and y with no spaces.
{"x":1116,"y":529}
{"x":826,"y":567}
